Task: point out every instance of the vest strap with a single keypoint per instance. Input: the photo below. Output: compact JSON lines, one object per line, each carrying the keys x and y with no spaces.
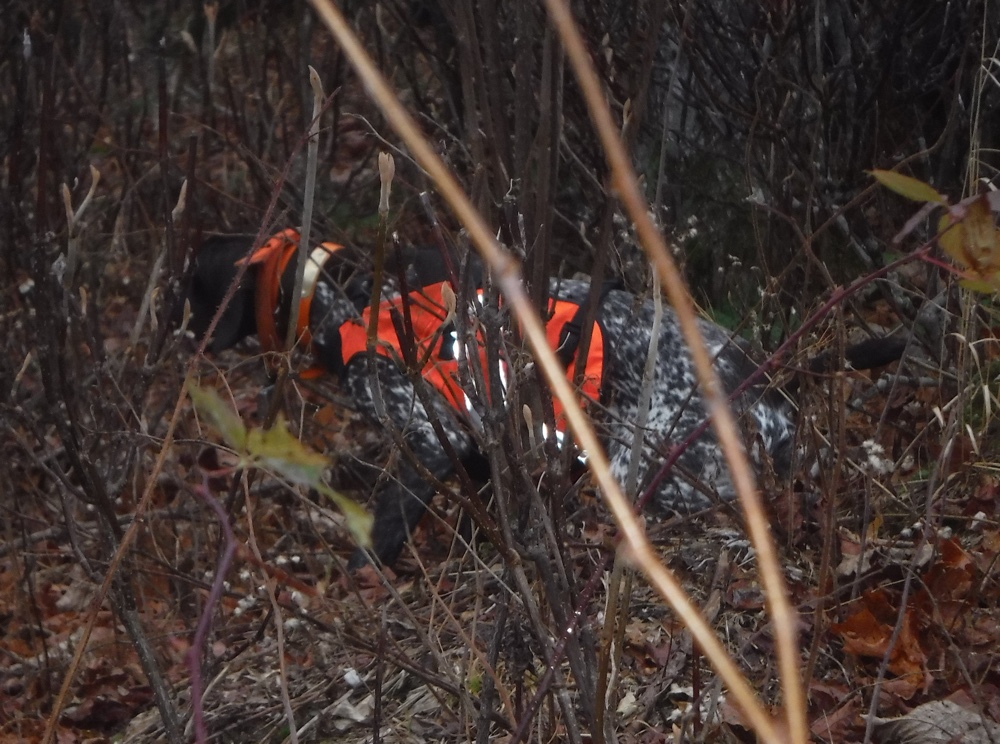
{"x":273,"y":258}
{"x":572,"y":332}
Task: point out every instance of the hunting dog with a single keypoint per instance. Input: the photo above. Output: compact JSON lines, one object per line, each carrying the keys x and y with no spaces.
{"x":417,"y":330}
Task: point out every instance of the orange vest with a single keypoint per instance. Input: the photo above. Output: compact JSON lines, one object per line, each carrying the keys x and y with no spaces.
{"x":427,"y":314}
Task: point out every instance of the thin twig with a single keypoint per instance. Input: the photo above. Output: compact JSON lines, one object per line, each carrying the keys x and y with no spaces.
{"x":783,"y":615}
{"x":618,"y":600}
{"x":279,"y":625}
{"x":214,"y":595}
{"x":312,"y":158}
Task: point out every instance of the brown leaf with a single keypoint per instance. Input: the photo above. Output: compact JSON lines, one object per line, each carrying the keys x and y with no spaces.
{"x":745,"y":594}
{"x":868,"y":633}
{"x":833,"y":726}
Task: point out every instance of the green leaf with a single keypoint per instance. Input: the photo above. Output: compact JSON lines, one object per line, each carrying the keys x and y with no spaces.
{"x":277,"y":450}
{"x":359,"y":519}
{"x":220,"y":416}
{"x":909,"y":187}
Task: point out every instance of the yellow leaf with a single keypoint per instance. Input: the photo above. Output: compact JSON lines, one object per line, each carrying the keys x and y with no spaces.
{"x":951,"y":236}
{"x":359,"y":519}
{"x":278,"y":451}
{"x":221,"y":417}
{"x":973,"y":241}
{"x":908,"y":186}
{"x":977,"y":285}
{"x":981,"y":246}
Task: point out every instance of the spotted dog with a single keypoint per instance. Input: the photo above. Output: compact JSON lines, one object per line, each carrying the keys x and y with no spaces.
{"x":415,"y":328}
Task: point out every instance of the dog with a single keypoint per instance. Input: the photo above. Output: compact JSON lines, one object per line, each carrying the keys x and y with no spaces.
{"x":418,"y":320}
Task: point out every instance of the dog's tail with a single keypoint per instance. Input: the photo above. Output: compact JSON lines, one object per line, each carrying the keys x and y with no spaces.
{"x":868,"y":354}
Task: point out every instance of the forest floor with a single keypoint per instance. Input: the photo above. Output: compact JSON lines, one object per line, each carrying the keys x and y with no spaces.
{"x":896,"y":606}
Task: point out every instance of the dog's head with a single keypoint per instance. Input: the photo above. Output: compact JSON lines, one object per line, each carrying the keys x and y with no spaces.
{"x":215,"y":268}
{"x":340,"y":290}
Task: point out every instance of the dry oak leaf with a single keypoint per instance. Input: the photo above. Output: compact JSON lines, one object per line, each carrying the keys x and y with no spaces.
{"x":869,"y":630}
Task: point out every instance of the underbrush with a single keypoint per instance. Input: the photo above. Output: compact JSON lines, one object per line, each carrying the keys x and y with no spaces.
{"x":142,"y":556}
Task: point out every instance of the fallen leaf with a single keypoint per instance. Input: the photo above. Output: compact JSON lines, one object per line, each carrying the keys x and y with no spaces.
{"x":868,"y":633}
{"x":940,"y":721}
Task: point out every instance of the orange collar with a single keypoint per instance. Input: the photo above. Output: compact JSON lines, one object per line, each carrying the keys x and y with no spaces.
{"x":273,"y":258}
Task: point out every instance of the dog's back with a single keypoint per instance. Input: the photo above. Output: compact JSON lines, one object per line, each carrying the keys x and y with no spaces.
{"x":676,"y":406}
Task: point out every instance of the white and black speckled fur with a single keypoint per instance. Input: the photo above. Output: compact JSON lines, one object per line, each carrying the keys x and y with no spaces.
{"x":676,"y":409}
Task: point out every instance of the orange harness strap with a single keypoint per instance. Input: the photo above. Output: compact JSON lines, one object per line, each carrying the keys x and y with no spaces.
{"x":273,"y":258}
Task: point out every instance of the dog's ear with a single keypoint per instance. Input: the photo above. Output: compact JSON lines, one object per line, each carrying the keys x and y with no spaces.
{"x":215,"y":268}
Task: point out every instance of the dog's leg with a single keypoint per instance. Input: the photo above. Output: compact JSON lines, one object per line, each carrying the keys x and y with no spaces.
{"x":404,"y":500}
